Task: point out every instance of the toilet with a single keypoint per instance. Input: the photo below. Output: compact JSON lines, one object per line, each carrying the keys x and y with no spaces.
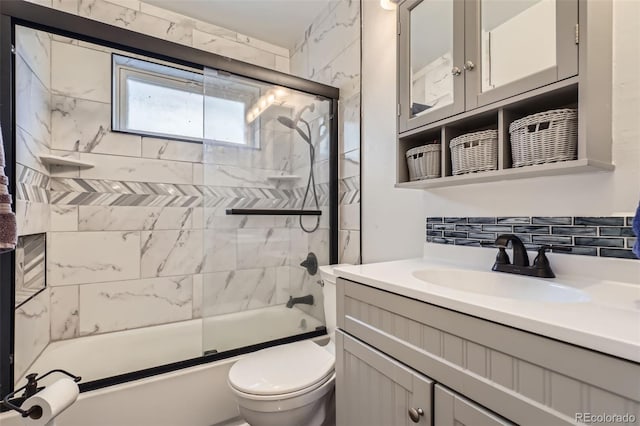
{"x":292,"y":384}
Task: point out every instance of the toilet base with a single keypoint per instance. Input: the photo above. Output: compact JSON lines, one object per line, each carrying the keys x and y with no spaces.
{"x":317,"y":413}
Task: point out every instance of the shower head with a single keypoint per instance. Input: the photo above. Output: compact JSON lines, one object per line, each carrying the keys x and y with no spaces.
{"x":286,"y":121}
{"x":293,"y":125}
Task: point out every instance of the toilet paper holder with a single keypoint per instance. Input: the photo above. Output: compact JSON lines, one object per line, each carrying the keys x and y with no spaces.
{"x":30,"y":389}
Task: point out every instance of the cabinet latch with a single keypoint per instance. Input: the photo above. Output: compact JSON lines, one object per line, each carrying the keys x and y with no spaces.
{"x":577,"y":33}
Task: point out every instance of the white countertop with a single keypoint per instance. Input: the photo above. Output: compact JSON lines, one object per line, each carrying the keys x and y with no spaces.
{"x":609,"y":322}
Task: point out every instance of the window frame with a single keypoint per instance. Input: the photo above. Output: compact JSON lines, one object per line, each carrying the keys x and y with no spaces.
{"x":121,"y":72}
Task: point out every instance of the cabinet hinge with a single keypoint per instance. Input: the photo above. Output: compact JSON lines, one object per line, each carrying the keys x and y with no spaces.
{"x":13,"y":49}
{"x":577,"y":32}
{"x":399,"y":27}
{"x":398,"y":110}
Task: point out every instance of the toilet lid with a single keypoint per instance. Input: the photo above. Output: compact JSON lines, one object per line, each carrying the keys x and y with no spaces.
{"x":282,"y":369}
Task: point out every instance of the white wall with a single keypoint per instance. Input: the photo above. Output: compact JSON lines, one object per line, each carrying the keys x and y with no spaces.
{"x":392,"y":219}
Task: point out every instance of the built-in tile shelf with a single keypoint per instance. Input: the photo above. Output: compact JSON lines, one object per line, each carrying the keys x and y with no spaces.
{"x":55,"y":160}
{"x":551,"y":169}
{"x":284,"y":178}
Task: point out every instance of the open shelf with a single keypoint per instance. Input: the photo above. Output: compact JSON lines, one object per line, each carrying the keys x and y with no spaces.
{"x":55,"y":160}
{"x":499,"y":116}
{"x":550,"y":169}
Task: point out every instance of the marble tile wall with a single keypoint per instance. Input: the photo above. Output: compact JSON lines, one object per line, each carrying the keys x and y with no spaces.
{"x":33,"y":138}
{"x":33,"y":129}
{"x":141,"y":17}
{"x":32,"y":333}
{"x":142,"y":238}
{"x":329,"y":52}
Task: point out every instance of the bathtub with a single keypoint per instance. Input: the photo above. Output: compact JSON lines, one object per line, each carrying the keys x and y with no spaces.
{"x":200,"y":390}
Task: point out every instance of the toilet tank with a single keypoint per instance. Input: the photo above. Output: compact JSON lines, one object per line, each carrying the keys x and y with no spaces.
{"x":329,"y":295}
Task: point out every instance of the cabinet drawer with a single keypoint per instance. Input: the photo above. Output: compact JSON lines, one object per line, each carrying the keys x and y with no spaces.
{"x":521,"y":375}
{"x":375,"y":390}
{"x":451,"y":409}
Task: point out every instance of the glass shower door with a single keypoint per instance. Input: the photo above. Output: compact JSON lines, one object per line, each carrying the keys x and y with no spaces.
{"x":265,"y":160}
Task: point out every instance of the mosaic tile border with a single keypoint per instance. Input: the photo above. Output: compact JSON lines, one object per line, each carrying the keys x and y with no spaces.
{"x":31,"y":185}
{"x":349,"y":190}
{"x":590,"y":236}
{"x":76,"y":191}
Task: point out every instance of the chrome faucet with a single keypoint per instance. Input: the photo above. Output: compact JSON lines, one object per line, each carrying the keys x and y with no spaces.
{"x":540,"y":268}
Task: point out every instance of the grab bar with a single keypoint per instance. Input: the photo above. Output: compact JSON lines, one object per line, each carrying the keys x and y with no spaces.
{"x":274,"y":212}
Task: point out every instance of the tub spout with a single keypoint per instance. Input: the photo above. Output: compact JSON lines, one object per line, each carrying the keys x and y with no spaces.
{"x":304,"y":300}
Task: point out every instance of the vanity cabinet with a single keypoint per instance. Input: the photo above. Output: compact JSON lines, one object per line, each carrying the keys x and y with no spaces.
{"x":395,"y":353}
{"x":451,"y":409}
{"x":374,"y":389}
{"x":466,"y":66}
{"x":457,"y":55}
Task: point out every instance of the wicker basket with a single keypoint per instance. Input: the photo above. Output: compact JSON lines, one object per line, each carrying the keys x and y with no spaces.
{"x":424,"y":162}
{"x":474,"y":152}
{"x":545,"y":137}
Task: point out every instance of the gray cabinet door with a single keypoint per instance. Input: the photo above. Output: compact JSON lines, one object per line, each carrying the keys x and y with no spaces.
{"x":430,"y":61}
{"x":375,"y":390}
{"x":451,"y":409}
{"x":518,"y":48}
{"x":458,"y":55}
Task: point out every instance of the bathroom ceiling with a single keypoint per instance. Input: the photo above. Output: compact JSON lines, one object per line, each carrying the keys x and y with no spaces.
{"x":281,"y":22}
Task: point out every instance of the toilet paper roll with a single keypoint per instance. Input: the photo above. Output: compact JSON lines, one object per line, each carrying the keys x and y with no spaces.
{"x":52,"y":400}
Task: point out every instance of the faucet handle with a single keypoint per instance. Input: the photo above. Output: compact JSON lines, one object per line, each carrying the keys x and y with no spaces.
{"x":550,"y":248}
{"x":502,"y":258}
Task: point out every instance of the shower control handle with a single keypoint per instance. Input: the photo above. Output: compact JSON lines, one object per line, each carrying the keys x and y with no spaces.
{"x":310,"y":264}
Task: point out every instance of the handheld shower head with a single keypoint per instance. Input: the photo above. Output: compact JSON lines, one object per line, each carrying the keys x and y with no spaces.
{"x":286,"y":121}
{"x":311,"y":182}
{"x":289,"y":123}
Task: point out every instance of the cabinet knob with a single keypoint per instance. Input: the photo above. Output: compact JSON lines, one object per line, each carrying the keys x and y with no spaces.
{"x":415,"y":414}
{"x":469,"y":65}
{"x":456,"y":71}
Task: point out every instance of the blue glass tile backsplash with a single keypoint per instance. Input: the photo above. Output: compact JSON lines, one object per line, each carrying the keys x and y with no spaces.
{"x":587,"y":236}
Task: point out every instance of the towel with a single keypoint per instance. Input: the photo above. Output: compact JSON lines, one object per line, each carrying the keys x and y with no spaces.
{"x":636,"y":230}
{"x":8,"y":227}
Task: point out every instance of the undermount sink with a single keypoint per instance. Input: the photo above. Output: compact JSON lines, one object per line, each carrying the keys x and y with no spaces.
{"x":503,"y":285}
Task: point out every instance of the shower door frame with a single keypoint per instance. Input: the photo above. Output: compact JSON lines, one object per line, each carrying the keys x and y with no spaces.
{"x":20,"y":12}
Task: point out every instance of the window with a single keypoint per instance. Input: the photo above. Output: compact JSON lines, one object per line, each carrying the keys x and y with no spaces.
{"x":158,"y":100}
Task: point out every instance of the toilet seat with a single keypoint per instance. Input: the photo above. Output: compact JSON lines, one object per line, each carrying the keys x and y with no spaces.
{"x":282,"y":372}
